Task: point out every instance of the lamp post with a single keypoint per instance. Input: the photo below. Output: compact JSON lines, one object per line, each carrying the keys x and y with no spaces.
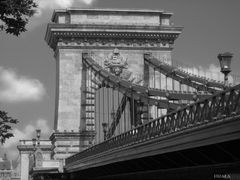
{"x":168,"y":103}
{"x":34,"y":143}
{"x":225,"y":62}
{"x":113,"y":114}
{"x":104,"y":125}
{"x":38,"y":131}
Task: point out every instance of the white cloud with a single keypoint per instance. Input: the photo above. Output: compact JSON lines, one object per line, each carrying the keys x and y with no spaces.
{"x":27,"y":133}
{"x":53,"y":4}
{"x":42,"y":124}
{"x":212,"y":72}
{"x":46,"y":4}
{"x":88,"y":1}
{"x":16,"y":88}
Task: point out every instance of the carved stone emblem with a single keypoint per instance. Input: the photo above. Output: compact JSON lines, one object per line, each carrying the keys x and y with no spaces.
{"x":116,"y":63}
{"x":38,"y":158}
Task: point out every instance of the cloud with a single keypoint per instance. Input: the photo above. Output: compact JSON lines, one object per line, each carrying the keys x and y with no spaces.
{"x":46,"y":7}
{"x":16,"y":88}
{"x":27,"y":133}
{"x":43,"y":125}
{"x":53,"y":4}
{"x":211,"y":72}
{"x":46,"y":4}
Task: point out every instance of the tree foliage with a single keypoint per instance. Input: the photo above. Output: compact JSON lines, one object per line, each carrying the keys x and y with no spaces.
{"x":5,"y":126}
{"x":14,"y":15}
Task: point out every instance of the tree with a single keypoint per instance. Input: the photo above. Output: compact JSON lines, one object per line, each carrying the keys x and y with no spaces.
{"x":5,"y":126}
{"x":14,"y":15}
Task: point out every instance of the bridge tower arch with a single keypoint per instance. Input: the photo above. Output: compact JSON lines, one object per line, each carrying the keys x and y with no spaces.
{"x":131,"y":33}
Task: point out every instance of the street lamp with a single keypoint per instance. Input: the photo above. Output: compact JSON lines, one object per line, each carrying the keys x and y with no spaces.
{"x":104,"y":125}
{"x":168,"y":103}
{"x":34,"y":140}
{"x":36,"y":145}
{"x":225,"y":62}
{"x":113,"y":114}
{"x":38,"y":131}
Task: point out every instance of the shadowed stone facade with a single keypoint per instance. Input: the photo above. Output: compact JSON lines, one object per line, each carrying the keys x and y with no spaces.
{"x":28,"y":154}
{"x":99,"y":31}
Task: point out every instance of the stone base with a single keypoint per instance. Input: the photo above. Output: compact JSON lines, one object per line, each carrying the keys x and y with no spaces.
{"x":67,"y":144}
{"x":87,"y":139}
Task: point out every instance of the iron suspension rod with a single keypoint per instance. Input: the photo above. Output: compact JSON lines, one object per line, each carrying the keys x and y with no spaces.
{"x":125,"y":123}
{"x":133,"y":112}
{"x":160,"y":85}
{"x":108,"y":105}
{"x":99,"y":121}
{"x":154,"y":83}
{"x":148,"y":114}
{"x":103,"y":121}
{"x":166,"y":82}
{"x":91,"y":109}
{"x":113,"y":110}
{"x":119,"y":120}
{"x":154,"y":80}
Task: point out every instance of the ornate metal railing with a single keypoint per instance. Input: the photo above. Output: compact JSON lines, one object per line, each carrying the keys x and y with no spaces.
{"x":214,"y":109}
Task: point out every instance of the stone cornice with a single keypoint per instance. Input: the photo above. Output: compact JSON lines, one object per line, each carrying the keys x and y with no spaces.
{"x":29,"y":148}
{"x":64,"y":135}
{"x":101,"y":33}
{"x":117,"y":27}
{"x":109,"y":11}
{"x":115,"y":10}
{"x":72,"y":135}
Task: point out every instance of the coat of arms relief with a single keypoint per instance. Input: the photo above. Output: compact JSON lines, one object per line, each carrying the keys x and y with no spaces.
{"x":116,"y":63}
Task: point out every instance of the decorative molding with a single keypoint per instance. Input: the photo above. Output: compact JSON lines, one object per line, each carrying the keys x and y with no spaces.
{"x":64,"y":135}
{"x":69,"y":35}
{"x":106,"y":42}
{"x":30,"y":148}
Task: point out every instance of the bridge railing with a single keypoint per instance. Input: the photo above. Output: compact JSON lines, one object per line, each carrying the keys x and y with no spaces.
{"x":210,"y":110}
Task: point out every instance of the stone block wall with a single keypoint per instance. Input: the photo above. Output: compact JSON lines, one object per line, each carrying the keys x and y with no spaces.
{"x":68,"y":90}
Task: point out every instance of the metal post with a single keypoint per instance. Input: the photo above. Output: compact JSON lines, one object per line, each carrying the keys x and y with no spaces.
{"x":225,"y":62}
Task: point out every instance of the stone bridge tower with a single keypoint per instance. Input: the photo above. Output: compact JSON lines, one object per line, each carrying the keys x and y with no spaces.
{"x":100,"y":31}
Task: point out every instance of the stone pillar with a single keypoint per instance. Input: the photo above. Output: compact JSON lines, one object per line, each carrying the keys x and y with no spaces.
{"x":24,"y":165}
{"x":70,"y":135}
{"x":68,"y":103}
{"x":68,"y":90}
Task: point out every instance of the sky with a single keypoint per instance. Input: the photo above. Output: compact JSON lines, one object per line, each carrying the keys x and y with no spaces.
{"x":28,"y":68}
